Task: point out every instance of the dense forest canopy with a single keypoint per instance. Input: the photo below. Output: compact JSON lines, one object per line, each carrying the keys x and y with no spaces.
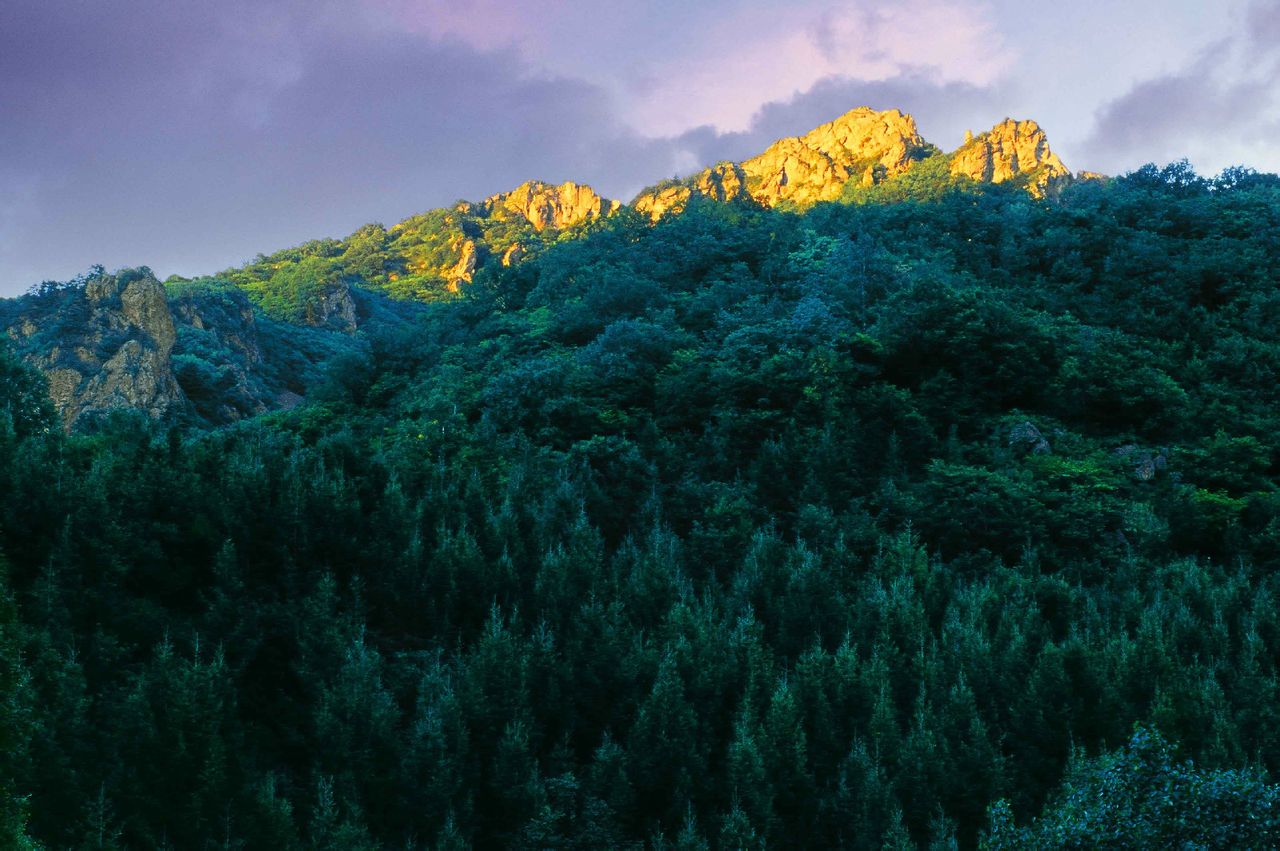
{"x":937,"y":519}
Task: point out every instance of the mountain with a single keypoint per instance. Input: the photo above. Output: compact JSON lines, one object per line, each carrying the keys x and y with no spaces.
{"x":193,"y":348}
{"x":935,"y":516}
{"x":864,"y":149}
{"x":198,"y":352}
{"x":104,"y":345}
{"x":863,"y":145}
{"x":1012,"y":151}
{"x":432,"y":255}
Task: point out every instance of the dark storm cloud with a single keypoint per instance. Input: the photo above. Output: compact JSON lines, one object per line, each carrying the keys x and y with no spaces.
{"x":943,"y":111}
{"x":190,"y":136}
{"x":1221,"y":106}
{"x":167,"y":136}
{"x":188,"y":140}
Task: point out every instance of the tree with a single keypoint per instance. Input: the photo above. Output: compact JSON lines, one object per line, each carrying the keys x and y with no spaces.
{"x":1140,"y":797}
{"x":15,"y":720}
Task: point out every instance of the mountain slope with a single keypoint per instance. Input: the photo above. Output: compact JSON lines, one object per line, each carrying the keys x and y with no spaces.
{"x":430,"y":256}
{"x":864,"y":149}
{"x":314,"y":296}
{"x":872,"y":526}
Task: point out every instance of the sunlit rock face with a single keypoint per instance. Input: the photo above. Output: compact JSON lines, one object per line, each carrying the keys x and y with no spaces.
{"x":104,"y":347}
{"x":542,"y":206}
{"x":863,"y":145}
{"x":465,"y":268}
{"x":724,"y":182}
{"x":1010,"y":150}
{"x":546,"y":206}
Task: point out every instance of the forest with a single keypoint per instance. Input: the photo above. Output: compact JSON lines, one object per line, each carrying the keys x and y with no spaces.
{"x":945,"y":519}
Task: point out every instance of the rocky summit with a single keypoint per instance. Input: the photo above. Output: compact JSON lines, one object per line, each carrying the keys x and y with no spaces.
{"x":865,"y":148}
{"x":862,"y":145}
{"x":104,"y":346}
{"x":195,"y":348}
{"x":1012,"y":150}
{"x":545,"y":206}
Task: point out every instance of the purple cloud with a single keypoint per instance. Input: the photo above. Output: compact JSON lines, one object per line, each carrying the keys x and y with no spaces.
{"x":1220,"y":109}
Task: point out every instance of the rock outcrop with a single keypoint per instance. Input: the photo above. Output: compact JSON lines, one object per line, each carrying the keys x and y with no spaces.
{"x":195,"y":351}
{"x":1145,"y":463}
{"x":863,"y":145}
{"x":1009,"y":151}
{"x":335,"y":309}
{"x":724,"y":182}
{"x":503,"y":229}
{"x":546,"y":206}
{"x":1026,"y":439}
{"x":868,"y":147}
{"x":513,"y":255}
{"x":104,"y":346}
{"x":218,"y":359}
{"x":465,"y":268}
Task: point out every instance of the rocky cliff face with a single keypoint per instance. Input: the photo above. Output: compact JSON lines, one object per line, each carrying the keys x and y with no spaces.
{"x":218,"y":358}
{"x":868,"y":147}
{"x":334,"y":310}
{"x":862,"y":145}
{"x":1012,"y":150}
{"x":545,"y":206}
{"x":465,"y":268}
{"x":198,"y":353}
{"x":103,"y":347}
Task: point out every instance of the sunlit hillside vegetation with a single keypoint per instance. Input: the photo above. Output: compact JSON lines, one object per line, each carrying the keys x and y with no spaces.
{"x":420,"y":258}
{"x":942,"y":519}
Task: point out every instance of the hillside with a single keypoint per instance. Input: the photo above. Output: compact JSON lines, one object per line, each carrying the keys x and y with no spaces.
{"x":253,"y":339}
{"x":942,"y":516}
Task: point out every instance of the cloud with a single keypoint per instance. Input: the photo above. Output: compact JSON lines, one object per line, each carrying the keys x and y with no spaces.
{"x":677,"y":65}
{"x":189,"y":137}
{"x":192,"y":143}
{"x":944,"y":110}
{"x":751,"y":59}
{"x":1220,"y":109}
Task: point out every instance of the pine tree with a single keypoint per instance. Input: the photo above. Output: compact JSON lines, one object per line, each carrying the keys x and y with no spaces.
{"x":15,"y":720}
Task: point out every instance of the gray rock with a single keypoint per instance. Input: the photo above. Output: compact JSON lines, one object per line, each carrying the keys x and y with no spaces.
{"x":105,"y":346}
{"x":1026,"y":439}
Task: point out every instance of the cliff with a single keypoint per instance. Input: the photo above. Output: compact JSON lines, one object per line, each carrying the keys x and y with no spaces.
{"x":545,"y":206}
{"x":104,"y":346}
{"x":863,"y":145}
{"x":186,"y":351}
{"x":1012,"y":150}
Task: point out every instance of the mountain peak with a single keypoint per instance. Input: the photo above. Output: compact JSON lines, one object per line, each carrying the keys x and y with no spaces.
{"x":545,"y":205}
{"x":1009,"y":151}
{"x":863,"y":145}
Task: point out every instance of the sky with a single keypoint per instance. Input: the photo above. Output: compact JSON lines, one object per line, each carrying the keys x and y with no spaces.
{"x":191,"y":135}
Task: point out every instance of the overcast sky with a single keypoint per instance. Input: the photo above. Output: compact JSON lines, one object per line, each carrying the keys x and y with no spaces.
{"x":189,"y":135}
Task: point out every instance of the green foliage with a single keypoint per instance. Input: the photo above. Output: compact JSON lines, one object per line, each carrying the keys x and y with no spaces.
{"x":25,"y":408}
{"x":744,"y":529}
{"x":1140,"y":797}
{"x":16,"y":716}
{"x":929,"y":179}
